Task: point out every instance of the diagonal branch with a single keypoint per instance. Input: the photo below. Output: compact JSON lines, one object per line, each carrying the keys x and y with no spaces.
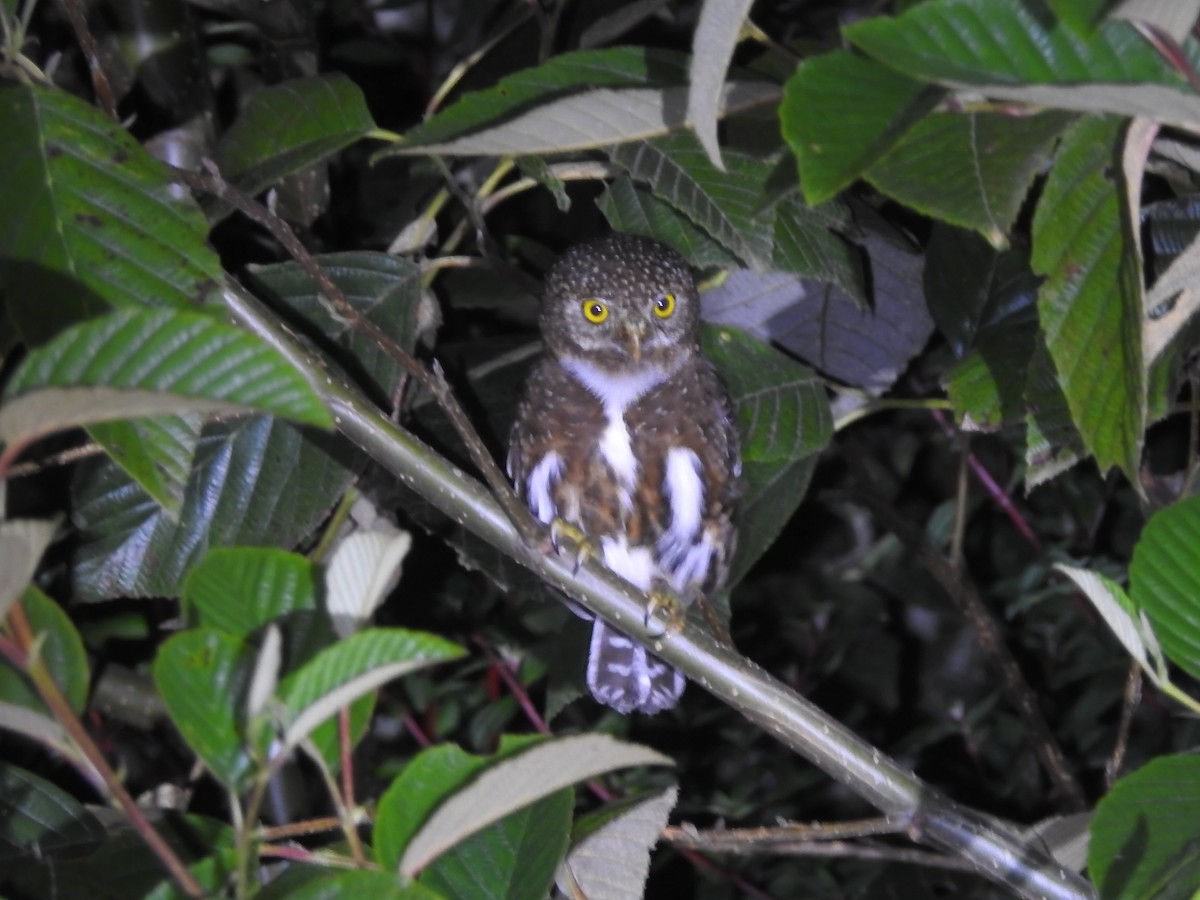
{"x":993,"y":849}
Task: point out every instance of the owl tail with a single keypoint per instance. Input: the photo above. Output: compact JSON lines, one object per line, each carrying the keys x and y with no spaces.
{"x":622,"y":674}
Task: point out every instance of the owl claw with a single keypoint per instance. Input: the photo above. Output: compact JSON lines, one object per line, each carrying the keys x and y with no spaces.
{"x":565,"y":537}
{"x":665,"y":613}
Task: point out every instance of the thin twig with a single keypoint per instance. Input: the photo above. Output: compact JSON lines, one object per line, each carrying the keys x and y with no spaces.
{"x":87,"y":45}
{"x":966,"y":597}
{"x":432,"y":379}
{"x":1129,"y":702}
{"x":48,"y":689}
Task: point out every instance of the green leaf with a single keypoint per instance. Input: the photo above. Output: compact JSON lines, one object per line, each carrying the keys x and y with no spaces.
{"x":634,"y":209}
{"x":729,"y":206}
{"x":384,"y":289}
{"x":1016,"y":51}
{"x":782,"y":411}
{"x":256,"y":481}
{"x":984,"y":42}
{"x":90,"y":220}
{"x":290,"y":126}
{"x":1117,"y":610}
{"x":141,"y":362}
{"x":841,"y":112}
{"x":1090,"y":305}
{"x":202,"y":675}
{"x":515,"y":781}
{"x":157,"y":452}
{"x":60,"y":648}
{"x":1165,"y":581}
{"x":38,"y":819}
{"x":784,"y":420}
{"x":1147,"y":828}
{"x":514,"y":857}
{"x":351,"y":668}
{"x":972,"y":170}
{"x":433,"y":775}
{"x":239,"y":589}
{"x":301,"y":882}
{"x":611,"y":848}
{"x":613,"y":67}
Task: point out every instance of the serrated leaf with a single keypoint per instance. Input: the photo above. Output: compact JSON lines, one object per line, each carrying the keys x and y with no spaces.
{"x":240,"y":589}
{"x":364,"y":568}
{"x":782,"y":411}
{"x":202,"y":675}
{"x":610,"y":850}
{"x":183,"y":356}
{"x":90,"y":219}
{"x":591,"y":120}
{"x":1117,"y":610}
{"x":972,"y":170}
{"x":841,"y":112}
{"x":730,"y":207}
{"x":289,"y":126}
{"x":1165,"y":581}
{"x":1090,"y":306}
{"x":351,"y":668}
{"x":38,"y":819}
{"x":612,"y":67}
{"x":1145,"y":827}
{"x":157,"y":453}
{"x":516,"y":781}
{"x":1011,"y":52}
{"x":635,"y":210}
{"x":256,"y":481}
{"x":22,"y":543}
{"x":713,"y":41}
{"x":784,"y":420}
{"x":383,"y":288}
{"x":1052,"y":443}
{"x":514,"y":857}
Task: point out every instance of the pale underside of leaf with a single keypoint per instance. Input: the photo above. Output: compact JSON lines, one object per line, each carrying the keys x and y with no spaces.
{"x":22,"y":543}
{"x":342,"y":696}
{"x":517,"y":781}
{"x":1172,"y":17}
{"x":46,"y":410}
{"x":716,"y":36}
{"x":613,"y":862}
{"x":364,"y":568}
{"x":593,"y":119}
{"x":1112,"y":603}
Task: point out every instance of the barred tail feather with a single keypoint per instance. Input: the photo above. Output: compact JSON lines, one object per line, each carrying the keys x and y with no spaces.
{"x":622,"y":674}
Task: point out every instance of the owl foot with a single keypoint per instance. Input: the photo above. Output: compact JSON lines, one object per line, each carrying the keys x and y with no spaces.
{"x":665,"y":613}
{"x":568,"y":538}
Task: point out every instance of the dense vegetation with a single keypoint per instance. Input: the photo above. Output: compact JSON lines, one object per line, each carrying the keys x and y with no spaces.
{"x":271,"y":622}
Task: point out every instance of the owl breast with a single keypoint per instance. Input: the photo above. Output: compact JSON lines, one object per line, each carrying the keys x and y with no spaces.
{"x":644,"y":463}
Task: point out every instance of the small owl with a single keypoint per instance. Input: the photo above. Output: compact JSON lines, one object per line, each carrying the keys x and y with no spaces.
{"x":624,"y":432}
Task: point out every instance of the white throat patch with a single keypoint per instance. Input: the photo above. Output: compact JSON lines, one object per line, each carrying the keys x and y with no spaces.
{"x":617,"y":393}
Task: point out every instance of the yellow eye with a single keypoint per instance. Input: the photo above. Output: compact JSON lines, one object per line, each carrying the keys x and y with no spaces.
{"x":664,"y":306}
{"x":595,"y":311}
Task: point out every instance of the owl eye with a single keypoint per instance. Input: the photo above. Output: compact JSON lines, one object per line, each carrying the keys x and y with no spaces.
{"x":595,"y":311}
{"x":664,"y":306}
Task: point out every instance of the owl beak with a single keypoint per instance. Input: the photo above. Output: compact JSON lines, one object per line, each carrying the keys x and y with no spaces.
{"x":632,"y":335}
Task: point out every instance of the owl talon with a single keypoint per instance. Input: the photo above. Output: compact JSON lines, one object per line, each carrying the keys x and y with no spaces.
{"x":665,"y":613}
{"x":565,"y":537}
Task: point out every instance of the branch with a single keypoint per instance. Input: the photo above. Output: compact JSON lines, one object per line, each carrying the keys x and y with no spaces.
{"x":994,"y":850}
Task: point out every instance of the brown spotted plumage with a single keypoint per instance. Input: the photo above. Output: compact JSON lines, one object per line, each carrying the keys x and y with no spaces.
{"x":624,"y":431}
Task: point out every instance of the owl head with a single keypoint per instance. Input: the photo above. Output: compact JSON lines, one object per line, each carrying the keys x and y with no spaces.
{"x":621,"y":302}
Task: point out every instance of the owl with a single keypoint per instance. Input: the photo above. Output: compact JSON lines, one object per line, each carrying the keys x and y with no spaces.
{"x":624,"y":432}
